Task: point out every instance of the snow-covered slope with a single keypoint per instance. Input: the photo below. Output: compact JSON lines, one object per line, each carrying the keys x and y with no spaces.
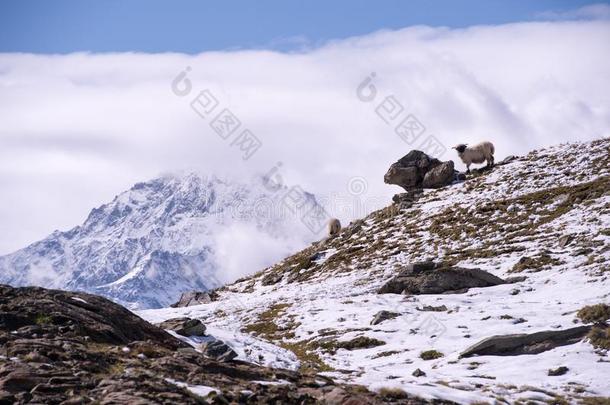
{"x":158,"y":239}
{"x":551,"y":207}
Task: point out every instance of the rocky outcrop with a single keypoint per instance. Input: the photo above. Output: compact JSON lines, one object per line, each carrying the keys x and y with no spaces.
{"x":184,"y":326}
{"x":218,"y":350}
{"x":77,"y":348}
{"x":46,"y":313}
{"x":383,"y":316}
{"x":271,"y":278}
{"x":439,"y":176}
{"x":191,"y":298}
{"x":406,"y":200}
{"x":433,"y":278}
{"x":533,"y":343}
{"x":418,"y":170}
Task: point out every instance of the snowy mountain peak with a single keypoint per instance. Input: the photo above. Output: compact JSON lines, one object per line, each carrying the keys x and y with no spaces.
{"x":156,"y":240}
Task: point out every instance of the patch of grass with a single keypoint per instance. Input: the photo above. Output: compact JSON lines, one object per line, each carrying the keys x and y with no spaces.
{"x":595,"y":401}
{"x":393,"y":394}
{"x":304,"y":263}
{"x":457,"y":223}
{"x":265,"y":325}
{"x":430,"y":355}
{"x":600,"y":337}
{"x":219,"y":313}
{"x":360,"y":342}
{"x":116,"y":369}
{"x":598,"y":313}
{"x":42,"y":319}
{"x":305,"y":352}
{"x":536,"y":263}
{"x":385,"y":354}
{"x":147,"y":349}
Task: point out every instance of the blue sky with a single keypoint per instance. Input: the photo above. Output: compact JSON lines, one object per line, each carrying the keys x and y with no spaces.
{"x":65,"y":26}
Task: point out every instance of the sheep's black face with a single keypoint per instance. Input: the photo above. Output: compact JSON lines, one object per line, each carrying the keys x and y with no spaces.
{"x":460,"y":148}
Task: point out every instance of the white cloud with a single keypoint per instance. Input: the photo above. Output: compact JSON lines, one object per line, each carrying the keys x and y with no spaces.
{"x":78,"y":129}
{"x":241,"y":249}
{"x":598,"y":11}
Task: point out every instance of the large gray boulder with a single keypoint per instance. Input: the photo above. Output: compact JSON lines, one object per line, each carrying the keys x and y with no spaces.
{"x":184,"y":326}
{"x":434,"y":278}
{"x":418,"y":170}
{"x":384,"y":316}
{"x":532,"y":343}
{"x":439,"y":176}
{"x":218,"y":350}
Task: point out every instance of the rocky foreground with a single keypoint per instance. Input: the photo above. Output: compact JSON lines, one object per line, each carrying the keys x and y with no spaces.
{"x":74,"y":348}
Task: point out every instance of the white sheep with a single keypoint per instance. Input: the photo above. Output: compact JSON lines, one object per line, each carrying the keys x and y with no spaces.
{"x":478,"y":153}
{"x":334,"y":226}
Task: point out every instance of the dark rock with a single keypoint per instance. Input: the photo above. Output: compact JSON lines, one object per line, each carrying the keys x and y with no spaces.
{"x":514,"y":291}
{"x":272,"y":278}
{"x":19,"y":380}
{"x":218,"y":350}
{"x":430,"y":278}
{"x":558,"y":371}
{"x":316,"y":256}
{"x":417,"y":170}
{"x":402,"y":200}
{"x":406,"y":200}
{"x":191,"y":298}
{"x":184,"y":326}
{"x":565,"y":240}
{"x":420,"y":267}
{"x":6,"y":398}
{"x":432,"y":308}
{"x":583,"y":251}
{"x":418,"y":373}
{"x":533,"y":343}
{"x":401,"y":197}
{"x":439,"y":176}
{"x":90,"y":315}
{"x":384,"y":316}
{"x":506,"y":160}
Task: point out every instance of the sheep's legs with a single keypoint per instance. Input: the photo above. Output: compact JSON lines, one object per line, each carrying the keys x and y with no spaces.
{"x":467,"y":169}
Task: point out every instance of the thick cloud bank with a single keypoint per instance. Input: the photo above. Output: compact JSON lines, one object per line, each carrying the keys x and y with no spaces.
{"x":78,"y":129}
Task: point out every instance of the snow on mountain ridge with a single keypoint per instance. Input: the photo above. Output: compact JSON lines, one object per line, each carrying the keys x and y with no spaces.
{"x":153,"y":241}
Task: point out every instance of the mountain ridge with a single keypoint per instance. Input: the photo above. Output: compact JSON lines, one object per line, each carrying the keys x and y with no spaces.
{"x":542,"y":219}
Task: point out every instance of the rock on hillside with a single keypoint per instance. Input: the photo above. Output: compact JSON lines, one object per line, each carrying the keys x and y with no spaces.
{"x":418,"y":170}
{"x":76,"y":348}
{"x":512,"y":222}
